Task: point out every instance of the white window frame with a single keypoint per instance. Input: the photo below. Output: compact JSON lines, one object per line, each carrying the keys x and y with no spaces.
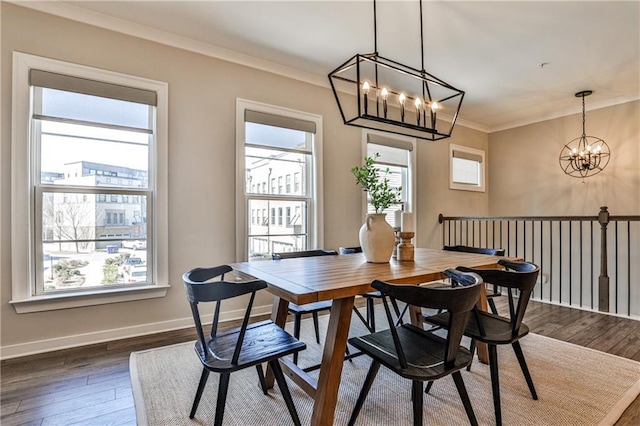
{"x":410,"y":204}
{"x":315,"y":238}
{"x":472,"y":152}
{"x":23,"y":164}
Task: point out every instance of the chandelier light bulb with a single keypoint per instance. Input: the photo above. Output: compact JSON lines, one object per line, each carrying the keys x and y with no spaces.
{"x":365,"y":87}
{"x":435,"y":106}
{"x":402,"y":98}
{"x":384,"y":93}
{"x":418,"y":103}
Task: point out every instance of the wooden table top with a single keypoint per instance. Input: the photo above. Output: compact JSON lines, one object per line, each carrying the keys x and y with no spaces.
{"x":311,"y":279}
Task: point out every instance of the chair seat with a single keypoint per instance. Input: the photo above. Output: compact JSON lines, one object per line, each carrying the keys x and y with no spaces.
{"x":264,"y":341}
{"x":423,"y":352}
{"x":310,"y":307}
{"x":497,"y":329}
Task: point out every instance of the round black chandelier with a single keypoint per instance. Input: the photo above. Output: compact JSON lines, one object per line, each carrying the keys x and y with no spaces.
{"x":587,"y":155}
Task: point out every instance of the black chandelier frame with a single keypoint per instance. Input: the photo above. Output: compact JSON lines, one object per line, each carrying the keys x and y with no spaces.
{"x":584,"y":156}
{"x":422,"y":122}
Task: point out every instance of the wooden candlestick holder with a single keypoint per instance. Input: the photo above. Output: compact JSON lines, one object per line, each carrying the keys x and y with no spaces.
{"x":406,"y":249}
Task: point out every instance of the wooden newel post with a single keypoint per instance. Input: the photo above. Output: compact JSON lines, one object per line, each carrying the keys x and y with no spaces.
{"x":603,"y":280}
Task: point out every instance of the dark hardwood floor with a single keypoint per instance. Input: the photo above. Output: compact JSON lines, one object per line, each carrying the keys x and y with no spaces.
{"x":90,"y":385}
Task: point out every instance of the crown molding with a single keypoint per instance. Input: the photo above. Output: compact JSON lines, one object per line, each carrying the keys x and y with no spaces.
{"x":89,"y":17}
{"x":559,"y":114}
{"x":75,"y":13}
{"x":472,"y":125}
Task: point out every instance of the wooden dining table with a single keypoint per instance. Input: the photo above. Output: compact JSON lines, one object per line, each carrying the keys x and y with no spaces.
{"x":340,"y":279}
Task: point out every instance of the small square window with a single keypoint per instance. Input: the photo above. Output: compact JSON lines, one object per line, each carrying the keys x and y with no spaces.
{"x":466,"y":168}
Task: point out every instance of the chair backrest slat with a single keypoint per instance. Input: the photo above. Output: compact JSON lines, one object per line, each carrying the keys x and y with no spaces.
{"x":478,"y":250}
{"x":521,"y":276}
{"x":350,"y":250}
{"x":305,"y":253}
{"x":458,"y":301}
{"x":201,"y":286}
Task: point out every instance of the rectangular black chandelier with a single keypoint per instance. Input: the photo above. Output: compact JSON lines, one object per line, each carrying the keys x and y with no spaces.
{"x":378,"y":93}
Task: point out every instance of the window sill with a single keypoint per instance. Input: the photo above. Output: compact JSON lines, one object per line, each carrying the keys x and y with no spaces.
{"x":88,"y":298}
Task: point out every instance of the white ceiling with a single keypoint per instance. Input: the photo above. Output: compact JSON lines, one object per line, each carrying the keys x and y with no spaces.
{"x":491,"y":50}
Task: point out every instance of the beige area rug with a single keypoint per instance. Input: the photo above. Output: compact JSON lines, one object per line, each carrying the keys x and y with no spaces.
{"x":575,"y":385}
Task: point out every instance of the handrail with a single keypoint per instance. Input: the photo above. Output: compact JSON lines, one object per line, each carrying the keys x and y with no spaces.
{"x":632,"y":218}
{"x":442,"y":218}
{"x":544,"y":239}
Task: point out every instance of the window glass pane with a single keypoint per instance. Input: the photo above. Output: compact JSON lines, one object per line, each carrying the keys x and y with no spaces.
{"x":93,"y":156}
{"x":77,"y":106}
{"x":93,"y":237}
{"x":262,"y":247}
{"x":277,"y":137}
{"x":288,"y":218}
{"x":270,"y":165}
{"x":465,"y":171}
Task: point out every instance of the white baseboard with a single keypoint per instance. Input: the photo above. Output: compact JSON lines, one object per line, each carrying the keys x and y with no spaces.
{"x":48,"y":345}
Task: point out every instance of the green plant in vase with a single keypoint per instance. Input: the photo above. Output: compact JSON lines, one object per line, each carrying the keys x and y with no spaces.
{"x":376,"y":235}
{"x":374,"y":180}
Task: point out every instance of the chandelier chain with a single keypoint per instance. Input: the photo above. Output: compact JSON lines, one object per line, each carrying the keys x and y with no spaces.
{"x":421,"y":39}
{"x":584,"y":126}
{"x":375,"y":29}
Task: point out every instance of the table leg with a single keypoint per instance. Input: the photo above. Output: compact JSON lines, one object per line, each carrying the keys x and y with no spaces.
{"x":483,"y":350}
{"x":326,"y":398}
{"x":278,"y":316}
{"x":415,"y":314}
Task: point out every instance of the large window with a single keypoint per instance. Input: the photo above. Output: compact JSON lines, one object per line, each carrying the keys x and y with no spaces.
{"x":396,"y":155}
{"x":466,"y":166}
{"x":275,"y":144}
{"x":88,"y":145}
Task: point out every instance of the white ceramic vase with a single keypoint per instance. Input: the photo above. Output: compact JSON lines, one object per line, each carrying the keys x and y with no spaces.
{"x":377,"y":238}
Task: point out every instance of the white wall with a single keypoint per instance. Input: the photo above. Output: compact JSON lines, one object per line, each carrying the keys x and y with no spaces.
{"x":202,"y":94}
{"x":526,"y":178}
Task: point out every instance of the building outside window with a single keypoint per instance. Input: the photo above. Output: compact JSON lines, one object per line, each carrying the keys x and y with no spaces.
{"x":296,"y":182}
{"x":81,"y":126}
{"x":275,"y":144}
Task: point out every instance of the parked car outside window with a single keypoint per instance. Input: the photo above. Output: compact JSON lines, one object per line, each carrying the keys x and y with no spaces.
{"x":135,"y":245}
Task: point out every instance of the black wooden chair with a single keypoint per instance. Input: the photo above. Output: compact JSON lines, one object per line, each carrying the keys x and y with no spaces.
{"x":370,"y":299}
{"x":497,"y":330}
{"x":310,"y":308}
{"x":242,"y":347}
{"x":495,"y":291}
{"x":417,"y":354}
